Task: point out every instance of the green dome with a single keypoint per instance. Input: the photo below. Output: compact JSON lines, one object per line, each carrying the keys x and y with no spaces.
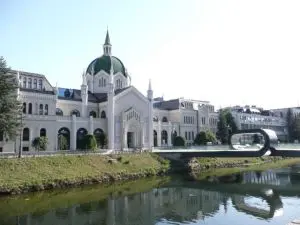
{"x":104,"y":63}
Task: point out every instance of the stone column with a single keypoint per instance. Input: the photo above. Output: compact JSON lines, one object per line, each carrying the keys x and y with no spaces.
{"x":73,"y":135}
{"x":158,"y":134}
{"x":125,"y":137}
{"x":91,"y":125}
{"x":142,"y":134}
{"x":170,"y":134}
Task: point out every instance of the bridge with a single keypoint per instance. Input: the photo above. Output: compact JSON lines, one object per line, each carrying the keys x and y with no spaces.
{"x":244,"y":143}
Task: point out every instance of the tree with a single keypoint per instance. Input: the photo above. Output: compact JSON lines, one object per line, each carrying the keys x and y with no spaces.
{"x":179,"y":141}
{"x":223,"y":131}
{"x":10,"y":107}
{"x":290,"y":119}
{"x":203,"y":137}
{"x":40,"y":143}
{"x":103,"y":139}
{"x":296,"y":131}
{"x":200,"y":138}
{"x":230,"y":123}
{"x":210,"y":137}
{"x":62,"y":142}
{"x":90,"y":142}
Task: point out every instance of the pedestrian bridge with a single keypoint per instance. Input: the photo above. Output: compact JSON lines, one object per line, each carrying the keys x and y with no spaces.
{"x":244,"y":143}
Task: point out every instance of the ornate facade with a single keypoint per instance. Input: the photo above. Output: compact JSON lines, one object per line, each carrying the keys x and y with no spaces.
{"x":106,"y":102}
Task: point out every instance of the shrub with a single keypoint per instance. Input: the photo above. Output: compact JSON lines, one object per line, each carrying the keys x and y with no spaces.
{"x":90,"y":142}
{"x":179,"y":141}
{"x":203,"y":137}
{"x":40,"y":143}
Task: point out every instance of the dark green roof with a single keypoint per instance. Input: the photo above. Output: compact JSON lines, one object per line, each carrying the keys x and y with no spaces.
{"x":104,"y":63}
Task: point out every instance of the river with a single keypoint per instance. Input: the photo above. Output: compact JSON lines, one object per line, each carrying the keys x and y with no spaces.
{"x":250,"y":197}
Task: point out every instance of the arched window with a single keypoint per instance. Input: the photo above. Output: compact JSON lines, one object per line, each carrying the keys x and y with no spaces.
{"x":93,"y":114}
{"x":43,"y":132}
{"x":155,"y":119}
{"x":30,"y":108}
{"x":41,"y":109}
{"x":24,"y":107}
{"x":26,"y":134}
{"x":24,"y":82}
{"x":164,"y":119}
{"x":80,"y":143}
{"x":35,"y":84}
{"x":75,"y":112}
{"x":40,"y":84}
{"x":29,"y":83}
{"x":103,"y":114}
{"x":46,"y":109}
{"x":59,"y":112}
{"x":164,"y":137}
{"x":63,"y":138}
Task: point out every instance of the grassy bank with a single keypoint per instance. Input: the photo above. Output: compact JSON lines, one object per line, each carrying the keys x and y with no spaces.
{"x":265,"y":165}
{"x":34,"y":174}
{"x":201,"y":164}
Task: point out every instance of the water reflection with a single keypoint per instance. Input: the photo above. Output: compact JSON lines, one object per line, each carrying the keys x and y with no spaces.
{"x":256,"y":194}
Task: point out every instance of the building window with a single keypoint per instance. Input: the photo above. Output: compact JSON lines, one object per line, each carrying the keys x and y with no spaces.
{"x":30,"y":108}
{"x":1,"y":135}
{"x":186,"y":135}
{"x":164,"y":137}
{"x":24,"y":107}
{"x":93,"y":114}
{"x":25,"y":149}
{"x":41,"y":109}
{"x":40,"y":84}
{"x":26,"y":134}
{"x":1,"y":149}
{"x":193,"y":138}
{"x":35,"y":84}
{"x":46,"y":109}
{"x":43,"y":132}
{"x":29,"y":83}
{"x":24,"y":82}
{"x":103,"y":115}
{"x":189,"y":135}
{"x":102,"y":82}
{"x":155,"y":119}
{"x":164,"y":119}
{"x":59,"y":112}
{"x":75,"y":112}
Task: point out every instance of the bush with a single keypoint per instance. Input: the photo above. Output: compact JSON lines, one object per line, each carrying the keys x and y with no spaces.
{"x":179,"y":141}
{"x":90,"y":142}
{"x":40,"y":143}
{"x":203,"y":137}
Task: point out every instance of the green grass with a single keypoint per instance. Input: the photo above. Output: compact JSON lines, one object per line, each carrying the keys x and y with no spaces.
{"x":254,"y":167}
{"x":38,"y":173}
{"x":227,"y":162}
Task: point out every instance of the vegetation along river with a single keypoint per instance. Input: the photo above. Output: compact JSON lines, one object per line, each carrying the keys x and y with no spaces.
{"x":248,"y":197}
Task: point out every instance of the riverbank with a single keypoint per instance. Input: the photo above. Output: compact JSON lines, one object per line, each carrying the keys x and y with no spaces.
{"x":44,"y":173}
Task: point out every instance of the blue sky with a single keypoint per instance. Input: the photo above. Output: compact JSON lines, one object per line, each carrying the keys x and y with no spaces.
{"x":227,"y":52}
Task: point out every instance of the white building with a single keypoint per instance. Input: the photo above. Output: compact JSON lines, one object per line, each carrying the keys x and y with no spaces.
{"x":106,"y":102}
{"x":251,"y":117}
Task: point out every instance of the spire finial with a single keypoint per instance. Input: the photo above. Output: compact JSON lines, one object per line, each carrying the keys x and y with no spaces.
{"x":149,"y":86}
{"x":107,"y":39}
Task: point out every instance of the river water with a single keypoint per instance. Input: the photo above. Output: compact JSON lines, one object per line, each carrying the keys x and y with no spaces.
{"x":268,"y":197}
